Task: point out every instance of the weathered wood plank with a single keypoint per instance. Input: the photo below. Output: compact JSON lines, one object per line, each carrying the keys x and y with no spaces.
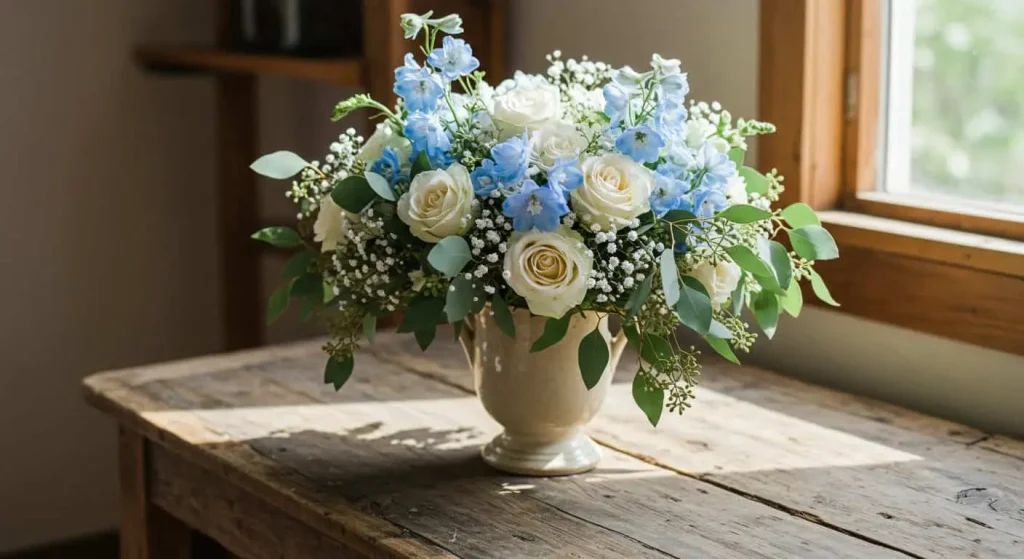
{"x":146,"y":531}
{"x":396,"y":447}
{"x":886,"y":474}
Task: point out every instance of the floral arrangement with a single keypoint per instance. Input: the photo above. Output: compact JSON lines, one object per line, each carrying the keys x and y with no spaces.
{"x":585,"y":189}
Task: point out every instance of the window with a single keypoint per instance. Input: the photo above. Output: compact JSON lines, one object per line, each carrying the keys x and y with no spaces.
{"x":901,"y":121}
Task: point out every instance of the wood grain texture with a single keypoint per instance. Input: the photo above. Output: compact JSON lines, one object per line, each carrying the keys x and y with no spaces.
{"x":928,"y":487}
{"x":147,"y":532}
{"x":389,"y":467}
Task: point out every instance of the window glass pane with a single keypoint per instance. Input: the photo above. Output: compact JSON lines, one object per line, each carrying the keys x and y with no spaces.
{"x":955,"y":100}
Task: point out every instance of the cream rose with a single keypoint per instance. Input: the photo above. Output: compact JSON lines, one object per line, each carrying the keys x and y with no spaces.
{"x":439,"y":204}
{"x":384,"y":137}
{"x":615,"y":190}
{"x":549,"y":270}
{"x":527,"y":104}
{"x":720,"y":281}
{"x":330,"y":226}
{"x":557,"y":140}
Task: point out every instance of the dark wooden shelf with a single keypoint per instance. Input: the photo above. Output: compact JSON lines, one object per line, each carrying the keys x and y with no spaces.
{"x":340,"y":71}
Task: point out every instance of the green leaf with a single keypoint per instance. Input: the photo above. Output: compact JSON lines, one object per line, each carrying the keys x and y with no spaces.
{"x":380,"y":186}
{"x":554,"y":331}
{"x":450,"y":255}
{"x":459,"y":300}
{"x":650,"y":399}
{"x":425,"y":337}
{"x":655,"y":348}
{"x":632,"y":335}
{"x":422,"y":313}
{"x":593,"y":358}
{"x":353,"y":194}
{"x":813,"y":242}
{"x":766,"y":311}
{"x":722,"y":348}
{"x":694,"y":306}
{"x":746,"y":259}
{"x":674,"y":216}
{"x":669,"y":276}
{"x":738,"y":297}
{"x":719,"y":330}
{"x":800,"y":215}
{"x":420,"y":164}
{"x":736,"y":156}
{"x":309,"y":287}
{"x":370,"y":327}
{"x":298,"y":265}
{"x":338,"y":372}
{"x":793,"y":300}
{"x":279,"y":165}
{"x":820,"y":289}
{"x":457,"y":329}
{"x":756,"y":182}
{"x":778,"y":256}
{"x":743,"y":213}
{"x":503,"y":316}
{"x":284,"y":237}
{"x":639,"y":297}
{"x":278,"y":301}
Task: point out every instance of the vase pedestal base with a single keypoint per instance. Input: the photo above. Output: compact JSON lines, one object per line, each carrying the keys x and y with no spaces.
{"x":527,"y":456}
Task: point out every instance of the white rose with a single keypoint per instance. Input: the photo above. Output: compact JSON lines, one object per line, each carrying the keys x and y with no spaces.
{"x":439,"y":204}
{"x":700,"y":130}
{"x":527,"y":105}
{"x":615,"y":190}
{"x":720,"y":280}
{"x":557,"y":140}
{"x":736,"y":190}
{"x":330,"y":226}
{"x":384,"y":137}
{"x":549,"y":270}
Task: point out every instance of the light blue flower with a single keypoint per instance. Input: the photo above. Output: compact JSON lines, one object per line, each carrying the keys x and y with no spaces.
{"x":615,"y":102}
{"x":511,"y":159}
{"x":668,"y":192}
{"x":389,"y":166}
{"x":712,"y":168}
{"x":641,"y":143}
{"x":535,"y":207}
{"x":670,"y":121}
{"x":565,"y":176}
{"x":704,"y":202}
{"x":673,"y":87}
{"x":485,"y":180}
{"x":425,"y":133}
{"x":454,"y":58}
{"x":420,"y":89}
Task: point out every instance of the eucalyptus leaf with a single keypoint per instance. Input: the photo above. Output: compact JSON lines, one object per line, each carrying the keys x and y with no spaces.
{"x":309,"y":287}
{"x":674,"y":216}
{"x":419,"y":164}
{"x":503,"y":316}
{"x":425,"y":337}
{"x":722,"y":348}
{"x":738,"y":298}
{"x":736,"y":156}
{"x":639,"y":296}
{"x":283,"y":237}
{"x":650,"y":399}
{"x":422,"y":313}
{"x":459,"y":300}
{"x":793,"y":300}
{"x":370,"y":327}
{"x":278,"y":301}
{"x":743,"y":213}
{"x":820,"y":289}
{"x":756,"y":182}
{"x":353,"y":194}
{"x":655,"y":348}
{"x":719,"y":330}
{"x":338,"y":372}
{"x":669,"y":276}
{"x":380,"y":186}
{"x":694,"y":306}
{"x":554,"y":331}
{"x":766,"y":311}
{"x":813,"y":242}
{"x":781,"y":264}
{"x":593,"y":358}
{"x":800,"y":215}
{"x":450,"y":255}
{"x":279,"y":165}
{"x":746,"y":259}
{"x":298,"y":265}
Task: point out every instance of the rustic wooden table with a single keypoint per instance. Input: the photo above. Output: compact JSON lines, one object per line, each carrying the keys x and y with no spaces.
{"x":253,"y":450}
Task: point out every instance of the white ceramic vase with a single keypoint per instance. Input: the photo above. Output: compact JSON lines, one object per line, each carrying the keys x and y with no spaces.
{"x":539,"y":398}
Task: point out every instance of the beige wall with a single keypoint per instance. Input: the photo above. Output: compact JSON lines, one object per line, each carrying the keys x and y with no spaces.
{"x":107,"y":225}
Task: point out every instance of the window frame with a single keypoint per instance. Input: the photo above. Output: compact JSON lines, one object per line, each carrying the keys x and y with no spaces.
{"x":922,"y":266}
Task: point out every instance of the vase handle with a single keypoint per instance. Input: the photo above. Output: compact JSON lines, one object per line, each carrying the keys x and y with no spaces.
{"x":467,"y":338}
{"x":618,"y":344}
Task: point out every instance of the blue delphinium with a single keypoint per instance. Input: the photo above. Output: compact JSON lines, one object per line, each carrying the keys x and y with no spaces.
{"x":425,"y":133}
{"x":641,"y":143}
{"x":485,"y":181}
{"x":420,"y":89}
{"x":712,"y":168}
{"x":615,"y":102}
{"x":565,"y":176}
{"x":704,"y":202}
{"x":388,"y":166}
{"x":535,"y":207}
{"x":511,"y":159}
{"x":454,"y":58}
{"x":668,"y":190}
{"x":670,"y":121}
